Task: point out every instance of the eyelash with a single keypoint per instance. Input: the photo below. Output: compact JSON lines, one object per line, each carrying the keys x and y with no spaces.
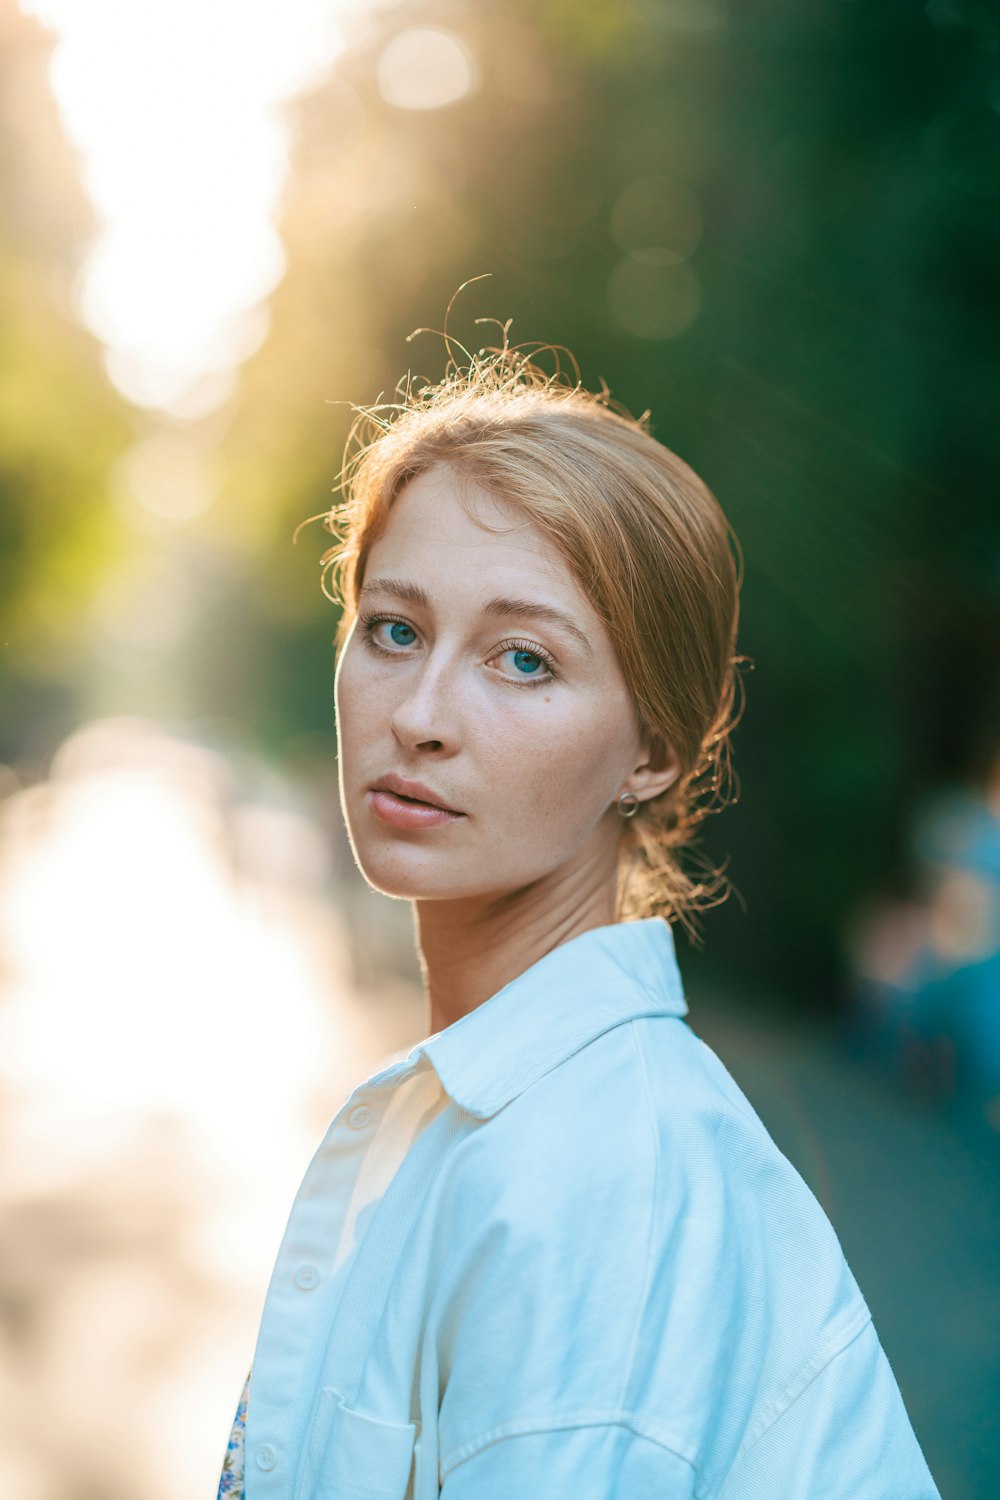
{"x":369,"y":622}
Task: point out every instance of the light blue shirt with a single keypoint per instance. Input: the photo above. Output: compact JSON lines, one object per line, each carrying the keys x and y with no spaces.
{"x":552,"y":1251}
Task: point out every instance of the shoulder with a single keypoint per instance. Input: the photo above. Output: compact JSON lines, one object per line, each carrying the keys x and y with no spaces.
{"x":625,"y":1237}
{"x":637,"y":1175}
{"x":578,"y":1145}
{"x":643,"y":1108}
{"x":733,"y":1216}
{"x":640,"y":1150}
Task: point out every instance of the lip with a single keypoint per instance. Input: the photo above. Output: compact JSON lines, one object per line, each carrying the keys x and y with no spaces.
{"x":415,"y":790}
{"x":389,"y":808}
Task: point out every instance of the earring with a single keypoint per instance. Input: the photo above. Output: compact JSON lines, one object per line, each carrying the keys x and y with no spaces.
{"x":628,"y":804}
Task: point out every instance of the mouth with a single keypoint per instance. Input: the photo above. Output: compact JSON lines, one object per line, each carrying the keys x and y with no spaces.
{"x":412,"y":794}
{"x":403,"y":811}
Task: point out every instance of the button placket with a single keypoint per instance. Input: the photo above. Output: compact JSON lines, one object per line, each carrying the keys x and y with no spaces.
{"x":317,"y":1221}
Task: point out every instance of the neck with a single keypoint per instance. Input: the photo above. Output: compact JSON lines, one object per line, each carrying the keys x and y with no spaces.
{"x":472,"y":947}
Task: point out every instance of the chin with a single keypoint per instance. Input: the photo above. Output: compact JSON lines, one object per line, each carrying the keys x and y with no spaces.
{"x":413,"y":875}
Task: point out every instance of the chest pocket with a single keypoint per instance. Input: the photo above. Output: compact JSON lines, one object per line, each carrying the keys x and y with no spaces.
{"x":352,"y":1456}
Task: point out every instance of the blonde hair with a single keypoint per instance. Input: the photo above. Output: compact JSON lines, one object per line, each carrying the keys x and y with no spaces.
{"x":644,"y":537}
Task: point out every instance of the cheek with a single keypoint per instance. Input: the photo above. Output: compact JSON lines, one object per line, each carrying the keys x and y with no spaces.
{"x":554,"y":767}
{"x":355,"y":707}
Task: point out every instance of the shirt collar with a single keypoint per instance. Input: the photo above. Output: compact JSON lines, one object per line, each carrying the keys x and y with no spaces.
{"x":584,"y":987}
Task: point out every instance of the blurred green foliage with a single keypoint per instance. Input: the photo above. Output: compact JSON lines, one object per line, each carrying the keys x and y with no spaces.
{"x":61,"y":424}
{"x":818,"y":185}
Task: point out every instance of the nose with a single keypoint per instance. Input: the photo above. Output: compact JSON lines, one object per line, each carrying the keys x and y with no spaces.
{"x":426,"y":717}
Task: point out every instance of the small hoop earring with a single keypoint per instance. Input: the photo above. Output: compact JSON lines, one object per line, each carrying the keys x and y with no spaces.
{"x":628,"y":804}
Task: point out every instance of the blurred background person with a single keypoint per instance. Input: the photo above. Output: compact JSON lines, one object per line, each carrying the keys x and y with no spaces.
{"x":928,"y":968}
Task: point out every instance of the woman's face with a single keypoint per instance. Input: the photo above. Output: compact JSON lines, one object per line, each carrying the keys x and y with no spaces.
{"x":478,"y":668}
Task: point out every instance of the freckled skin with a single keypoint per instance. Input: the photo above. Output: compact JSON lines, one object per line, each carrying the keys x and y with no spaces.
{"x":536,"y":769}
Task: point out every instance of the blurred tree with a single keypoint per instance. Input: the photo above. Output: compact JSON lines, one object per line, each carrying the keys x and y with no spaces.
{"x":61,"y":425}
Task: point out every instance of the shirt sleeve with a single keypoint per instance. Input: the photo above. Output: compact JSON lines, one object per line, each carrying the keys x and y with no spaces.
{"x":846,"y":1436}
{"x":599,"y":1461}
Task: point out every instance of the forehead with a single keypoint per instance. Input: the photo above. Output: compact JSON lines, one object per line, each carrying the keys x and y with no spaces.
{"x":460,"y":538}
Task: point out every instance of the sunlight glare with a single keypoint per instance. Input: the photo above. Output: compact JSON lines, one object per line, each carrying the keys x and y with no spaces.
{"x":175,"y":106}
{"x":141,"y":973}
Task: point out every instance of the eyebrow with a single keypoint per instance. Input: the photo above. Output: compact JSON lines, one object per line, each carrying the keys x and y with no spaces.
{"x":500,"y":607}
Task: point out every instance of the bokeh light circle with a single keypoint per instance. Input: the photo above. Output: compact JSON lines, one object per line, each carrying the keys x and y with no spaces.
{"x":654,"y":299}
{"x":426,"y":67}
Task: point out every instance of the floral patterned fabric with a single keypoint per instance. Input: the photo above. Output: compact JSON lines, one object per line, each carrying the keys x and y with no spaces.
{"x":231,"y":1479}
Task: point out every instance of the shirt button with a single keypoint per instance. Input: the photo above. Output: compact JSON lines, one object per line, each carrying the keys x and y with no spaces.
{"x":306,"y":1277}
{"x":266,"y":1456}
{"x":359,"y":1116}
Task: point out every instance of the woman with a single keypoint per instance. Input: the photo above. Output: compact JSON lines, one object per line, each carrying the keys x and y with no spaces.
{"x":551,"y":1251}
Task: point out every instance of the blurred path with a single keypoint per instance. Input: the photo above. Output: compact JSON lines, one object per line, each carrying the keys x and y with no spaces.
{"x":914,"y":1196}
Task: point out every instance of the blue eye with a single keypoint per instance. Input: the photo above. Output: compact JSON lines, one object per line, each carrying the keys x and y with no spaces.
{"x":530,"y":665}
{"x":400,"y":633}
{"x":527,"y":662}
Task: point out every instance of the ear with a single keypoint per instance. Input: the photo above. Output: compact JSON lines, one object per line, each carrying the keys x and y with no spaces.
{"x":657,"y":770}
